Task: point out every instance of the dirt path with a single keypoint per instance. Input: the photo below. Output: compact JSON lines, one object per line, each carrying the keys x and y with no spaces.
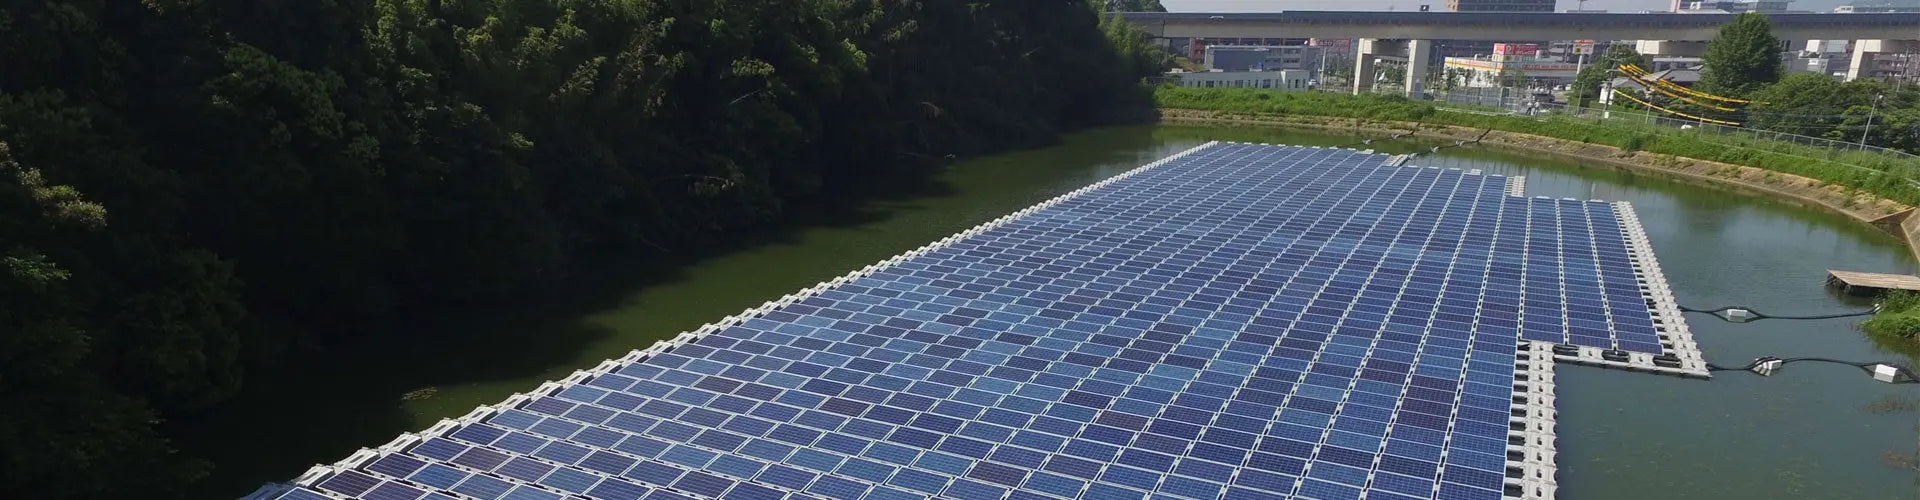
{"x":1886,"y":214}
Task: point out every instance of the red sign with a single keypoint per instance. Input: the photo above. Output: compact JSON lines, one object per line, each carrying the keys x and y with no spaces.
{"x":1516,"y":49}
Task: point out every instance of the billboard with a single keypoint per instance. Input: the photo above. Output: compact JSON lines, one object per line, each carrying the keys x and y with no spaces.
{"x":1583,"y":46}
{"x":1516,"y":49}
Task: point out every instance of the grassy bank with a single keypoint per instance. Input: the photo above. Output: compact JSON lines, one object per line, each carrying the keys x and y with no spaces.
{"x":1898,"y":319}
{"x":1881,"y":176}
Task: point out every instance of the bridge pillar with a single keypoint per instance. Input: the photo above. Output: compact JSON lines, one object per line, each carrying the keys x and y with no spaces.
{"x":1363,"y":65}
{"x":1864,"y":51}
{"x":1367,"y":51}
{"x":1418,"y":51}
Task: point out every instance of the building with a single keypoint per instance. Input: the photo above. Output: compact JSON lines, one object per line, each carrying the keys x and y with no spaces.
{"x":1501,"y":5}
{"x":1893,"y":67}
{"x":1683,"y":77}
{"x":1663,"y":63}
{"x":1336,"y":48}
{"x":1197,"y":47}
{"x":1820,"y":64}
{"x":1512,"y":60}
{"x":1252,"y":57}
{"x":1736,"y":6}
{"x":1877,"y":9}
{"x":1278,"y":80}
{"x":1826,"y":57}
{"x":1572,"y":50}
{"x":1832,"y":57}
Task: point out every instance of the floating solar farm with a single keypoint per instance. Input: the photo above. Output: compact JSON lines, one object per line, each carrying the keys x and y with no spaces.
{"x":1238,"y":321}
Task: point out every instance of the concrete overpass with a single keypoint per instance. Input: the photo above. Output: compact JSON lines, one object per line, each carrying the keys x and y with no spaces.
{"x":1382,"y":33}
{"x":1515,"y":26}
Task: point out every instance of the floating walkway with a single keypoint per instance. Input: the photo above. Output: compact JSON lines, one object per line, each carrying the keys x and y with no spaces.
{"x":1858,"y":283}
{"x":1237,"y":321}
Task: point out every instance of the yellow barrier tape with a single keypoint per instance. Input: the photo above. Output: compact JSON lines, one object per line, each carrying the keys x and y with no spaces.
{"x":1675,"y":113}
{"x":1640,"y":73}
{"x":1663,"y":90}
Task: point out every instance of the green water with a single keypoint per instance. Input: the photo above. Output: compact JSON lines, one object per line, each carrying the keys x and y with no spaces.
{"x":1805,"y":433}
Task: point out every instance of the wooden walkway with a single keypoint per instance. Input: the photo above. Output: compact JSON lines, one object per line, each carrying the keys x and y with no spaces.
{"x":1857,"y":283}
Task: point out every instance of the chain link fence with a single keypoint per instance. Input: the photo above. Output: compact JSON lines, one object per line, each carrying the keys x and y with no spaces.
{"x":1523,"y":104}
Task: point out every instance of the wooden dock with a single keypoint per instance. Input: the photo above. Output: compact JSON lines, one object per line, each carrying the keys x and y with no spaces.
{"x":1857,"y":283}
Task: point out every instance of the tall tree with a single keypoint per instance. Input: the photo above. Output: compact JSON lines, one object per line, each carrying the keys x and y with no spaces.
{"x":64,"y":433}
{"x":1743,"y":57}
{"x":1586,"y":85}
{"x":283,"y":172}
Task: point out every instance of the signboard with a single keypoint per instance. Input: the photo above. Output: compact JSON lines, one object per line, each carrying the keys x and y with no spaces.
{"x":1516,"y":49}
{"x":1583,"y":47}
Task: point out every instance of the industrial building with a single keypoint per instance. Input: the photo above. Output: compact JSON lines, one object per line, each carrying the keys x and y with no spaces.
{"x":1290,"y":79}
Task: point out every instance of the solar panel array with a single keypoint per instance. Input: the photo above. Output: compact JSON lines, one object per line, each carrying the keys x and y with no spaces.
{"x":1243,"y":322}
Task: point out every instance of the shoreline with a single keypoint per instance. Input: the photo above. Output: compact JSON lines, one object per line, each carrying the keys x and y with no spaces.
{"x":1893,"y":217}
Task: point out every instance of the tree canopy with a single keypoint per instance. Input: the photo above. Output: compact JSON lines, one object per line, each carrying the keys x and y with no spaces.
{"x":1586,"y":84}
{"x":1816,"y":105}
{"x":1135,"y":6}
{"x":189,"y":187}
{"x":1743,"y":57}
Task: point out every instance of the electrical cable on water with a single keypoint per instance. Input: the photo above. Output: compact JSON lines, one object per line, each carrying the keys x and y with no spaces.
{"x":1882,"y":371}
{"x":1742,"y":314}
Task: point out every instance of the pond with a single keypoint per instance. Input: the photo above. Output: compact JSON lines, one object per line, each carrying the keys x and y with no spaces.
{"x":1809,"y":431}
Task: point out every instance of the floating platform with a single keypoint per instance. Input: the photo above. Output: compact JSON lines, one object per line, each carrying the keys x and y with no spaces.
{"x":1237,"y":321}
{"x":1858,"y":283}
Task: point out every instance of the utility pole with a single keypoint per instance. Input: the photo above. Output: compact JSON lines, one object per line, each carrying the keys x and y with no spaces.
{"x":1320,"y":73}
{"x":1870,"y":111}
{"x":1606,"y":98}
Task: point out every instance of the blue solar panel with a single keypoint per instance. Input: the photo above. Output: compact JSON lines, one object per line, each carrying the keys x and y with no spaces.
{"x":1245,"y":321}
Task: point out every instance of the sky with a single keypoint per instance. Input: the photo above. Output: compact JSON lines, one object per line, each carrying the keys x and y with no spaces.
{"x":1441,"y":5}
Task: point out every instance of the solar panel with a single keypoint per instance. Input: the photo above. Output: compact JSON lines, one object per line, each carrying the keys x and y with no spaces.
{"x":1240,"y":321}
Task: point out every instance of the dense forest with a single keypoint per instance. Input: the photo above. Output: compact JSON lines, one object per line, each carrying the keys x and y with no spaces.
{"x":191,"y":189}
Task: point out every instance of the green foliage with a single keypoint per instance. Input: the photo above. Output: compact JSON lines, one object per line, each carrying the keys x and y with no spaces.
{"x":63,"y":427}
{"x":315,"y":165}
{"x":1875,"y":173}
{"x":1376,"y":107}
{"x":1586,"y":84}
{"x":1743,"y":57}
{"x":1899,"y":317}
{"x":1513,"y":78}
{"x":1139,"y":57}
{"x":1134,"y":6}
{"x":1818,"y":106}
{"x":1636,"y":142}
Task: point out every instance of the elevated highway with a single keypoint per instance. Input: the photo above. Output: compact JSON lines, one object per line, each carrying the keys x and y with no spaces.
{"x":1514,"y":26}
{"x":1410,"y":34}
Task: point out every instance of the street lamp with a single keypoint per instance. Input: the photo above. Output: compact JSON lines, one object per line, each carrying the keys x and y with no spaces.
{"x":1870,"y":110}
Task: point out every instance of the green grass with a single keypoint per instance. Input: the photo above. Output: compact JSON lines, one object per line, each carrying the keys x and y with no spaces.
{"x":1899,"y":317}
{"x":1878,"y":174}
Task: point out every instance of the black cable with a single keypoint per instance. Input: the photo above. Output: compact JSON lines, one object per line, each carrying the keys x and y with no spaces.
{"x":1757,"y":315}
{"x":1910,"y":376}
